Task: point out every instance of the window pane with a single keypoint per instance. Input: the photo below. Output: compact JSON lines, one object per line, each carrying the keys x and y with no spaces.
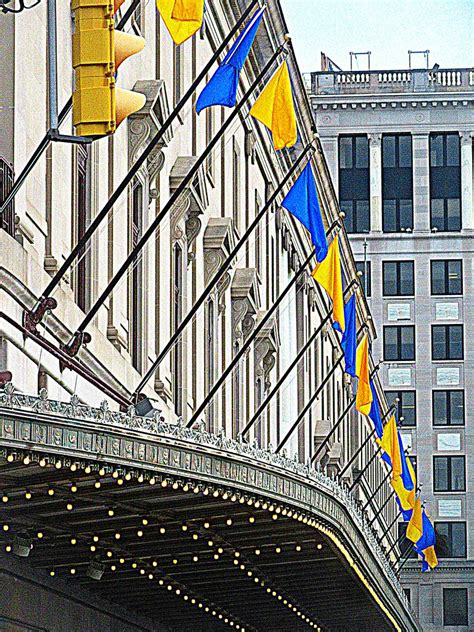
{"x":406,"y":214}
{"x":408,"y":408}
{"x":362,"y":216}
{"x":441,"y":474}
{"x":347,"y":208}
{"x":457,"y":474}
{"x":458,"y":539}
{"x":436,"y":150}
{"x":389,"y":216}
{"x":456,"y":408}
{"x":455,"y":342}
{"x":455,"y":606}
{"x":388,"y":151}
{"x":437,"y":277}
{"x":361,"y":267}
{"x":440,"y":408}
{"x":345,"y":153}
{"x":453,"y":214}
{"x":454,"y":277}
{"x":390,"y":278}
{"x":362,"y":152}
{"x":437,"y":214}
{"x":452,"y":150}
{"x":407,"y":343}
{"x":439,"y":342}
{"x":390,"y":343}
{"x":404,"y":150}
{"x":406,"y":278}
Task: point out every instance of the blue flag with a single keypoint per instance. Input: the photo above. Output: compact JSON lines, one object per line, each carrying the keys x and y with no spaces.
{"x":222,"y":87}
{"x":302,"y":202}
{"x":425,"y":545}
{"x":374,"y":413}
{"x":349,"y":337}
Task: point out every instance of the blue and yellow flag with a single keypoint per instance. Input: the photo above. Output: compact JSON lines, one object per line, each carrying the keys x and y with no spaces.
{"x":275,"y":109}
{"x":302,"y":202}
{"x":374,"y":414}
{"x":425,"y":545}
{"x":328,"y":275}
{"x":415,"y":526}
{"x":403,"y":475}
{"x":349,"y":337}
{"x":222,"y":87}
{"x":182,"y":18}
{"x":364,"y":392}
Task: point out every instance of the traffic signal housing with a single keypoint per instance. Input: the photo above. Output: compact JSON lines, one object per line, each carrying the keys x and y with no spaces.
{"x":98,"y":107}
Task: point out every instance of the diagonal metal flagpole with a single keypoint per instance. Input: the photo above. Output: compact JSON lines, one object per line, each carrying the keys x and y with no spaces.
{"x":363,"y":444}
{"x":220,"y":273}
{"x":298,"y":357}
{"x":45,"y":301}
{"x":47,"y":138}
{"x":376,"y":491}
{"x":249,"y":341}
{"x":340,"y":420}
{"x":311,"y":400}
{"x":384,"y":504}
{"x":76,"y":341}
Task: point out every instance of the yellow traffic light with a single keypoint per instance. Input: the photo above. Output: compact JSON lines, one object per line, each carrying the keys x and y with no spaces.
{"x":98,"y":107}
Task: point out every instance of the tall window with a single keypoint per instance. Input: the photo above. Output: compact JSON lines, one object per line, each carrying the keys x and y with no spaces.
{"x":406,"y":406}
{"x":366,"y":283}
{"x":83,"y":214}
{"x":136,"y":325}
{"x":449,"y":474}
{"x":258,"y":236}
{"x":178,"y":73}
{"x":398,"y":278}
{"x":455,"y":608}
{"x":447,"y":342}
{"x":354,"y":183}
{"x":448,"y":408}
{"x":235,"y":183}
{"x":399,"y":342}
{"x":397,"y":183}
{"x":446,"y":277}
{"x":210,"y":161}
{"x":445,"y":181}
{"x":450,"y":539}
{"x":210,"y":360}
{"x":7,"y":219}
{"x":177,"y":317}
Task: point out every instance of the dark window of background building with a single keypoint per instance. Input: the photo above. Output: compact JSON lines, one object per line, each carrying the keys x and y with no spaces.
{"x":406,"y":406}
{"x":448,"y":408}
{"x":455,"y":611}
{"x":407,"y":592}
{"x":447,"y":342}
{"x":450,"y":539}
{"x":7,"y":219}
{"x":354,"y":183}
{"x":446,"y":277}
{"x":398,"y":278}
{"x":399,"y":342}
{"x":397,"y":183}
{"x":449,"y":473}
{"x":360,"y":265}
{"x":404,"y":543}
{"x":445,"y":181}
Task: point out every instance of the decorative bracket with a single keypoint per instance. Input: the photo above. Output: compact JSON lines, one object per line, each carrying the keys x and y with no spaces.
{"x":245,"y":302}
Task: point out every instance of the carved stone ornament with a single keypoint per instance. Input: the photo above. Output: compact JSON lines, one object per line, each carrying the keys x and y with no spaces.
{"x":191,"y":204}
{"x":266,"y":346}
{"x":218,"y":243}
{"x":144,"y":124}
{"x":245,"y":302}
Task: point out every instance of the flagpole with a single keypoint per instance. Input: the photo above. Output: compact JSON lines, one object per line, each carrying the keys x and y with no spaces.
{"x":298,"y":357}
{"x":384,"y":534}
{"x":220,"y":273}
{"x":48,"y":137}
{"x":340,"y":420}
{"x":249,"y":340}
{"x":383,"y":506}
{"x":364,"y":443}
{"x":379,"y":487}
{"x":368,"y":464}
{"x":37,"y":313}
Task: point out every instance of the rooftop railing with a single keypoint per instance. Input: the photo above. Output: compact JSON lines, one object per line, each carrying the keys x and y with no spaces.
{"x":392,"y":81}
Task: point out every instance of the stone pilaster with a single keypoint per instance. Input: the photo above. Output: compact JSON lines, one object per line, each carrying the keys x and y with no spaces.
{"x":466,"y":181}
{"x":375,"y":162}
{"x":421,"y":182}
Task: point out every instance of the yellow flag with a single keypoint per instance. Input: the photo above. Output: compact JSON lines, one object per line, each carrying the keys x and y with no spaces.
{"x":390,"y":445}
{"x":275,"y":109}
{"x":430,"y":556}
{"x":364,"y":395}
{"x":328,"y":275}
{"x":181,"y":17}
{"x":415,"y":526}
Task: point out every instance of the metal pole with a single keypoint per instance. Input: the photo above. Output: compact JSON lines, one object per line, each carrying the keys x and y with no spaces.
{"x":379,"y":487}
{"x":298,"y":357}
{"x":44,"y":143}
{"x":142,"y":158}
{"x":171,"y":202}
{"x":407,"y":557}
{"x":368,"y":464}
{"x":249,"y":341}
{"x":382,"y":507}
{"x":220,"y":273}
{"x":390,"y":526}
{"x":399,"y":541}
{"x":52,"y":66}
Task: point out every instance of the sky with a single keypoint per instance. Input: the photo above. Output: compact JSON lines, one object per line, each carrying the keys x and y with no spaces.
{"x":387,"y":28}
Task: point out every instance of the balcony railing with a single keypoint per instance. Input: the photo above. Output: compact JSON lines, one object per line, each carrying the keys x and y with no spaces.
{"x":392,"y":81}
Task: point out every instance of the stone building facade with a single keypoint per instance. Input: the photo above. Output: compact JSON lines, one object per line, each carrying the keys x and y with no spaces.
{"x":400,"y":151}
